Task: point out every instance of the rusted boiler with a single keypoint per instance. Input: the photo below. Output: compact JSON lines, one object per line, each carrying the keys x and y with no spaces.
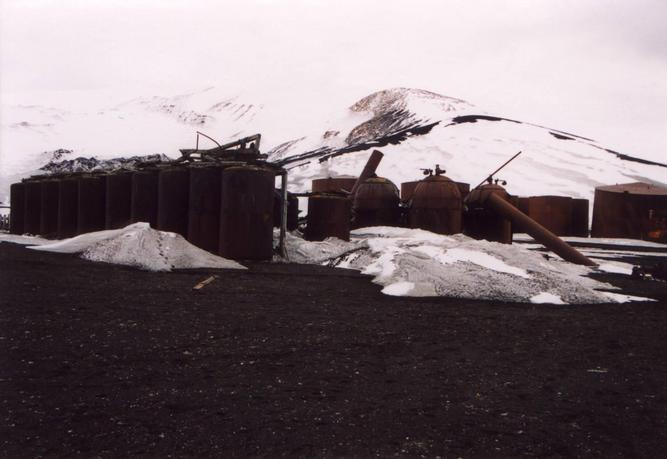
{"x":204,"y":206}
{"x":32,"y":207}
{"x":144,"y":196}
{"x":68,"y":206}
{"x":329,"y":215}
{"x":376,"y":203}
{"x":91,"y":204}
{"x":338,"y":184}
{"x":48,"y":223}
{"x":173,"y":199}
{"x":118,"y":204}
{"x":436,"y":206}
{"x":481,"y":222}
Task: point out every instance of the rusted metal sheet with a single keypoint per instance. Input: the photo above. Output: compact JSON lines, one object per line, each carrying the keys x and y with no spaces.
{"x":17,"y":208}
{"x":32,"y":208}
{"x":632,"y":210}
{"x":333,"y":184}
{"x":436,"y":206}
{"x":480,"y":222}
{"x":173,"y":198}
{"x":292,"y":211}
{"x":118,"y":208}
{"x":579,"y":217}
{"x":246,"y":215}
{"x":328,"y":216}
{"x":376,"y":204}
{"x":552,"y":212}
{"x":68,"y":207}
{"x":91,"y":204}
{"x":144,"y":197}
{"x":498,"y":204}
{"x":204,"y":207}
{"x":523,"y":204}
{"x":49,"y":209}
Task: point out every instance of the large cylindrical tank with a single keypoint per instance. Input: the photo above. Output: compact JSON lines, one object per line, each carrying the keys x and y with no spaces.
{"x":17,"y":208}
{"x":173,"y":198}
{"x":246,"y":213}
{"x":68,"y":207}
{"x":580,"y":217}
{"x":32,"y":208}
{"x":292,"y":210}
{"x":481,"y":222}
{"x":333,"y":184}
{"x":91,"y":204}
{"x":49,"y":209}
{"x":436,"y":206}
{"x":376,"y":204}
{"x":144,"y":197}
{"x":552,"y":212}
{"x":328,"y":216}
{"x":118,"y":209}
{"x":632,"y":210}
{"x":204,"y":207}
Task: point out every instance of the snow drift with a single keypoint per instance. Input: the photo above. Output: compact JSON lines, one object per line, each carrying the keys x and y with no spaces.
{"x":140,"y":246}
{"x":412,"y":262}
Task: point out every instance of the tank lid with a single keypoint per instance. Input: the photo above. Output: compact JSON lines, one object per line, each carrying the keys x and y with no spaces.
{"x":640,"y":188}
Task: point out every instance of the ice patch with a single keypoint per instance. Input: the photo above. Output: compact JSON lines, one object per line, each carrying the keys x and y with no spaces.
{"x":622,"y":298}
{"x":140,"y":246}
{"x":398,"y":288}
{"x":23,"y":240}
{"x":615,"y":267}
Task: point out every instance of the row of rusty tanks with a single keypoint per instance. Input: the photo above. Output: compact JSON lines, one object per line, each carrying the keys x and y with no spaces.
{"x":228,"y":210}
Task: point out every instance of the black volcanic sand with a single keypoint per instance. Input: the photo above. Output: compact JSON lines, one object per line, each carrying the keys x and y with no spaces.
{"x":293,"y":360}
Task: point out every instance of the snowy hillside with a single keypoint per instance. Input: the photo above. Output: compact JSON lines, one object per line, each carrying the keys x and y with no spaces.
{"x":414,"y":128}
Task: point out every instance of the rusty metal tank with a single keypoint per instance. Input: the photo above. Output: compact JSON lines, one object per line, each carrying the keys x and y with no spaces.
{"x":376,"y":203}
{"x":144,"y":197}
{"x":408,"y":189}
{"x":436,"y":206}
{"x":246,"y":213}
{"x":91,"y":203}
{"x":32,"y":208}
{"x":552,"y":212}
{"x":632,"y":210}
{"x":173,"y":199}
{"x":292,"y":210}
{"x":329,"y":215}
{"x":68,"y":207}
{"x":204,"y":206}
{"x":17,"y":208}
{"x":48,"y":223}
{"x":579,"y":217}
{"x":482,"y":223}
{"x":333,"y":184}
{"x":118,"y":206}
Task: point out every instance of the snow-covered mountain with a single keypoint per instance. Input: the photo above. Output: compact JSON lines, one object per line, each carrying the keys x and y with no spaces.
{"x":414,"y":128}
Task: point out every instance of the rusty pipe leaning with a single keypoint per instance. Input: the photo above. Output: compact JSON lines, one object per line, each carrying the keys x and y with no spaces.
{"x":539,"y":232}
{"x":369,"y":170}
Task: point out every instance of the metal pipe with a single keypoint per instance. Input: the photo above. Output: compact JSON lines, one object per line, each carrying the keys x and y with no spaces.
{"x":497,"y":170}
{"x":539,"y":232}
{"x":369,"y":170}
{"x":283,"y":222}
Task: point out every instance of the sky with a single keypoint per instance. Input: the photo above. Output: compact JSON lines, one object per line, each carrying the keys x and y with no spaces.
{"x":595,"y":68}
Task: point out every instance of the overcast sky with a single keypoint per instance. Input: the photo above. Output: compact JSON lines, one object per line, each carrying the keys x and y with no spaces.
{"x":597,"y":68}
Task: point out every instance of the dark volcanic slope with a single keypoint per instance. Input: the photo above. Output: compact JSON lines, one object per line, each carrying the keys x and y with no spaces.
{"x":307,"y":361}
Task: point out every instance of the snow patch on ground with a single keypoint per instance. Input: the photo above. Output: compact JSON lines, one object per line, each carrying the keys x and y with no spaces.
{"x":412,"y":262}
{"x":140,"y":246}
{"x":23,"y":240}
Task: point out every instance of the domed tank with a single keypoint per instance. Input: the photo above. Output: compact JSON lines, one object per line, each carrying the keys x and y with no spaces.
{"x":32,"y":208}
{"x":482,"y":223}
{"x":118,"y":209}
{"x":204,"y":206}
{"x":333,"y":184}
{"x":408,"y":189}
{"x":376,"y":204}
{"x":328,"y":216}
{"x":246,"y":213}
{"x":436,"y":206}
{"x":49,"y":209}
{"x":91,"y":204}
{"x":17,"y":208}
{"x":68,"y":207}
{"x":173,"y":191}
{"x":144,"y":197}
